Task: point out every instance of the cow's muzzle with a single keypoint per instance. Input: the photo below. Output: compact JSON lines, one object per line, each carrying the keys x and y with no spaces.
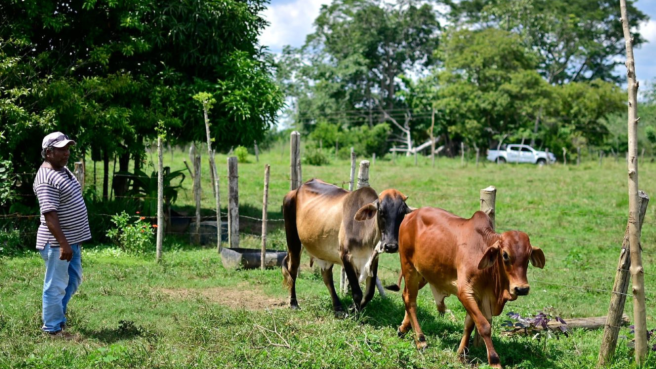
{"x":391,"y":247}
{"x":522,"y":291}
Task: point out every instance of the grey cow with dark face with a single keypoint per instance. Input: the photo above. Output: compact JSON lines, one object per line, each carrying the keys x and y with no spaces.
{"x":340,"y":227}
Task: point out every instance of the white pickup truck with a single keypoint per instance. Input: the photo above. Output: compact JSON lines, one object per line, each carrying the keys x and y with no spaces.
{"x":520,"y":154}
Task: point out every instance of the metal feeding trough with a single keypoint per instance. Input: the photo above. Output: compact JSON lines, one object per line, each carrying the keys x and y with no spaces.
{"x":239,"y":258}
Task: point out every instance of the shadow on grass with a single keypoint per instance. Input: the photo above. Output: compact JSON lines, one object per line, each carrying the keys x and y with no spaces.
{"x":126,"y":330}
{"x":442,"y":332}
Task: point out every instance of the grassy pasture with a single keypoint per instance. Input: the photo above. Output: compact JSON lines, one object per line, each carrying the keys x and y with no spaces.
{"x":189,"y":311}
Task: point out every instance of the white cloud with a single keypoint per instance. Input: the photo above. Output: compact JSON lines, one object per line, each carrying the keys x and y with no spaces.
{"x":290,"y":23}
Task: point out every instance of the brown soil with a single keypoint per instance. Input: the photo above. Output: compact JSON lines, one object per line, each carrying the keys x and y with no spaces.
{"x":240,"y":297}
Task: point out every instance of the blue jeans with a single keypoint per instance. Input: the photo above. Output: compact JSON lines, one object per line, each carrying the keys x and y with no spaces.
{"x":61,"y":281}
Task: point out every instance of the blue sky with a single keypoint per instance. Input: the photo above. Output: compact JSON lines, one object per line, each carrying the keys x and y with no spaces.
{"x":291,"y":21}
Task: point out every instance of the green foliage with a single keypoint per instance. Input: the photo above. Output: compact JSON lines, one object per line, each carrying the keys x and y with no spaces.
{"x":134,"y":237}
{"x":7,"y":183}
{"x":10,"y":243}
{"x":146,"y":188}
{"x":315,"y":156}
{"x":242,"y":154}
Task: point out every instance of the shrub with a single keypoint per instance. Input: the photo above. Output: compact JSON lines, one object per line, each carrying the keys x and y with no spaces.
{"x":314,"y":156}
{"x":132,"y":237}
{"x":10,"y":243}
{"x":242,"y":154}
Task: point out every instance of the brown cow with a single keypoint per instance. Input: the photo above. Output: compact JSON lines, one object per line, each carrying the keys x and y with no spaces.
{"x":340,"y":227}
{"x":466,"y":258}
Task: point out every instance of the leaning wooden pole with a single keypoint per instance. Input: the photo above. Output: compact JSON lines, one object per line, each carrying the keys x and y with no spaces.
{"x":618,"y":297}
{"x":265,"y":201}
{"x":216,"y":200}
{"x":160,"y":199}
{"x":197,"y":190}
{"x":637,"y":272}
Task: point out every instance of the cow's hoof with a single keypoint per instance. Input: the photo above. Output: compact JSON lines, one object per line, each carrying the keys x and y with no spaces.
{"x":421,"y":346}
{"x":400,"y":333}
{"x":294,"y":307}
{"x":353,"y":309}
{"x":341,"y":314}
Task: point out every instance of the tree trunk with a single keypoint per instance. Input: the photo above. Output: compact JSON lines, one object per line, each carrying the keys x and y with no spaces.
{"x":105,"y":174}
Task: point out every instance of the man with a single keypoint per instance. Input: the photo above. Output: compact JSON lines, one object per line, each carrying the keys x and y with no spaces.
{"x":64,"y":226}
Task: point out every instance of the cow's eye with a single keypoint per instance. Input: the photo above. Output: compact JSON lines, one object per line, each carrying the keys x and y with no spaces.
{"x":505,"y":256}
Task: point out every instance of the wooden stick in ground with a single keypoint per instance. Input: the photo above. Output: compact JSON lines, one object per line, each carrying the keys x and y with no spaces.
{"x":343,"y":281}
{"x":217,"y":201}
{"x":295,"y":153}
{"x":578,"y":155}
{"x":478,"y":151}
{"x":257,"y":152}
{"x":432,"y":138}
{"x":265,"y":201}
{"x":488,"y":198}
{"x":637,"y":272}
{"x":197,"y":192}
{"x":618,"y":297}
{"x":565,"y":156}
{"x":233,"y":203}
{"x":209,"y":145}
{"x":160,"y":199}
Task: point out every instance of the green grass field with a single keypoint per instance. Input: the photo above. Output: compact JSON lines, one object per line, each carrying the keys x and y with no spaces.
{"x":190,"y":312}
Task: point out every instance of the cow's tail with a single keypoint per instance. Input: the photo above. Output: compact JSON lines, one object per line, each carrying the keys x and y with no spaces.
{"x":396,"y":287}
{"x":293,"y":240}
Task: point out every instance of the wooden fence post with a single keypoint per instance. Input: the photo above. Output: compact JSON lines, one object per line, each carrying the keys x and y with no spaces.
{"x":79,"y":174}
{"x":197,"y":189}
{"x":373,"y":159}
{"x":547,"y":151}
{"x":578,"y":155}
{"x":601,"y":155}
{"x":477,"y":154}
{"x":637,"y":272}
{"x":257,"y":151}
{"x":216,"y":199}
{"x":415,"y":158}
{"x":620,"y":287}
{"x":295,"y":160}
{"x":160,"y":199}
{"x":393,"y":154}
{"x":363,"y":174}
{"x":265,"y":201}
{"x":233,"y":203}
{"x":343,"y":281}
{"x":564,"y":156}
{"x":462,"y":153}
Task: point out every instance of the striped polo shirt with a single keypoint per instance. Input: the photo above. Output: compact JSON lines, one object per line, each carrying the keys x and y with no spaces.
{"x":59,"y":190}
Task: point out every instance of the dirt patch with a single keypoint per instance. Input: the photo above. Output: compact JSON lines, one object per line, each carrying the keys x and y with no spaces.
{"x":239,"y":297}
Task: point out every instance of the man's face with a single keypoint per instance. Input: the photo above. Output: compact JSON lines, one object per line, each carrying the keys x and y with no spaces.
{"x":58,"y":157}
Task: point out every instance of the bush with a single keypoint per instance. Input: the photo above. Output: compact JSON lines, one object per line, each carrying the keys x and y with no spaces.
{"x":10,"y":243}
{"x":314,"y":156}
{"x":132,"y":237}
{"x":242,"y":154}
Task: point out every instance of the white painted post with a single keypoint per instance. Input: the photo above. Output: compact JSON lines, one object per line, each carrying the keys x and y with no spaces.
{"x":233,"y":203}
{"x":79,"y":174}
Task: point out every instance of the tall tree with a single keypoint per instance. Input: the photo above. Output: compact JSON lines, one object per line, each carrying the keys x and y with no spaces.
{"x":576,"y":40}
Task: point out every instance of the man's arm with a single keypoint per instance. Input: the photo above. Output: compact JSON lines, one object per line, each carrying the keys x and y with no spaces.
{"x":52,"y":221}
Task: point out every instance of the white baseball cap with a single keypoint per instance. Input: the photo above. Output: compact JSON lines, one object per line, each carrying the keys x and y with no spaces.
{"x":56,"y":139}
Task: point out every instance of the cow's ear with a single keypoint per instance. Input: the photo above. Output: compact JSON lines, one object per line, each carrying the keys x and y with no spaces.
{"x":537,"y":257}
{"x":489,"y":257}
{"x":366,"y":212}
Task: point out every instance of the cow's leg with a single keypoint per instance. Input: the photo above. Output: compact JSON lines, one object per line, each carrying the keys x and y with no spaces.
{"x":370,"y":288}
{"x":464,"y":342}
{"x":353,"y":279}
{"x":439,"y":300}
{"x":327,"y":274}
{"x":412,"y":283}
{"x":482,"y":325}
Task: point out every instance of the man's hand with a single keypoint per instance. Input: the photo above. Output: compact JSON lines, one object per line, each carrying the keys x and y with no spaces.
{"x":65,"y":252}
